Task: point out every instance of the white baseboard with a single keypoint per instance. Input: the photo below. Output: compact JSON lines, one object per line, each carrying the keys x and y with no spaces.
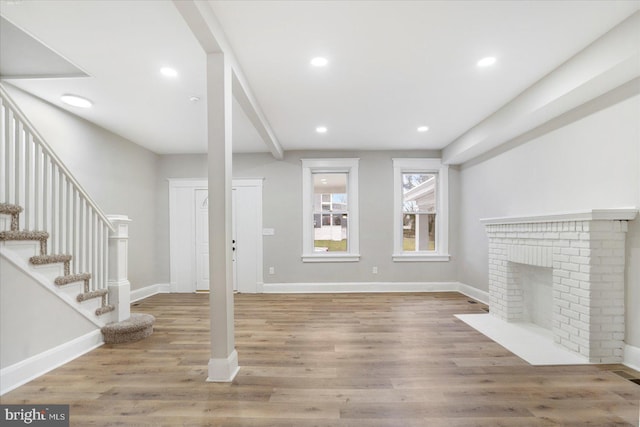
{"x":632,"y":357}
{"x":475,"y":293}
{"x":354,"y":287}
{"x":146,"y":292}
{"x":22,"y":372}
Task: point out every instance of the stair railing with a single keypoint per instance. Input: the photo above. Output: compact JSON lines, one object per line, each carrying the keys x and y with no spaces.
{"x":35,"y":178}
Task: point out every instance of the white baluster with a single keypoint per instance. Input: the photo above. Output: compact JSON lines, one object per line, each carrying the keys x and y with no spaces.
{"x":46,"y":192}
{"x":38,"y":187}
{"x":53,"y":228}
{"x":75,"y":230}
{"x":3,"y":152}
{"x":62,"y":214}
{"x":10,"y":162}
{"x":70,"y":216}
{"x":20,"y":161}
{"x":94,"y":252}
{"x":82,"y":232}
{"x":28,"y":184}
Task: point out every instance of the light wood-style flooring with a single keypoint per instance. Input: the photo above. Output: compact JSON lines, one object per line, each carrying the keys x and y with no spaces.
{"x":330,"y":360}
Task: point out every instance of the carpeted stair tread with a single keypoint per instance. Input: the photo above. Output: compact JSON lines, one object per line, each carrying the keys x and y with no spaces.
{"x":105,"y":309}
{"x":135,"y":328}
{"x":71,"y":278}
{"x":49,"y":259}
{"x":14,"y":211}
{"x":23,"y":235}
{"x":92,"y":294}
{"x":9,"y":209}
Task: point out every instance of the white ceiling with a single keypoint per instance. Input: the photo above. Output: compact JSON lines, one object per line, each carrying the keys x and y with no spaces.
{"x":393,"y":65}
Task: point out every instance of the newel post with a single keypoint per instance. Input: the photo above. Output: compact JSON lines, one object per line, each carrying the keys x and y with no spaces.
{"x":119,"y":286}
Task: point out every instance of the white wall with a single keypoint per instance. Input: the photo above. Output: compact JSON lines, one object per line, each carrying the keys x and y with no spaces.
{"x":282,"y":211}
{"x":26,"y":313}
{"x":591,"y":163}
{"x":118,"y":174}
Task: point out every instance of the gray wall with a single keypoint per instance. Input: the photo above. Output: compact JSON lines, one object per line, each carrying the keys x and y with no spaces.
{"x":118,"y":174}
{"x":591,"y":163}
{"x":282,"y":210}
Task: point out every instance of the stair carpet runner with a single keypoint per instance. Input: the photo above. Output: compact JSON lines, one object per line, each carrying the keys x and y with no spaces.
{"x":42,"y":236}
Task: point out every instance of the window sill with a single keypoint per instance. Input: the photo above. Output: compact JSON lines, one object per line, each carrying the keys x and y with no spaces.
{"x":421,"y":257}
{"x":324,"y":257}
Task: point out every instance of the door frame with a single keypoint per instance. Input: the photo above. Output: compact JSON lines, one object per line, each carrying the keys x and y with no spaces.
{"x":182,"y":228}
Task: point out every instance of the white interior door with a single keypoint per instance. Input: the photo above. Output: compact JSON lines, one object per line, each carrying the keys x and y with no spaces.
{"x":246,"y":205}
{"x":248,"y":235}
{"x":234,"y":237}
{"x":202,"y":239}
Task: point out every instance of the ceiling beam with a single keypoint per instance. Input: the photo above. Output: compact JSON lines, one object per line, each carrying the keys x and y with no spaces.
{"x":606,"y":64}
{"x":207,"y":29}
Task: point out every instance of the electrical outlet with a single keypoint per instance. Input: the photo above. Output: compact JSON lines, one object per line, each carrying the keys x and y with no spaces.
{"x":374,"y":270}
{"x":272,"y":270}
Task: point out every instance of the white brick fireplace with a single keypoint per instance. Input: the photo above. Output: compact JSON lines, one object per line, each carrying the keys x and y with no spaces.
{"x":585,"y":252}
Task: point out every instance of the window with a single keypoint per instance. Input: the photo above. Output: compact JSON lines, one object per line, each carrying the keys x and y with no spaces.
{"x":330,"y":210}
{"x":420,"y":211}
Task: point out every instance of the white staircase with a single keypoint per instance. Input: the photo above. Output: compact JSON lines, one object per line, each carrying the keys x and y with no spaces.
{"x":27,"y":250}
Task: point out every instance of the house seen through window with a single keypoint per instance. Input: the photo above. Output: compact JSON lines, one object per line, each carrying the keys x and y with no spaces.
{"x":330,"y":212}
{"x":419,"y":211}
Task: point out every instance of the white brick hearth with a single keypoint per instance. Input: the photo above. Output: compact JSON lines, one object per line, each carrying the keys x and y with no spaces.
{"x":586,"y":252}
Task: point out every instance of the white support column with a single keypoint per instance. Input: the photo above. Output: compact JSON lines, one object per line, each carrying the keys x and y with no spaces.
{"x":119,"y":286}
{"x":223,"y":365}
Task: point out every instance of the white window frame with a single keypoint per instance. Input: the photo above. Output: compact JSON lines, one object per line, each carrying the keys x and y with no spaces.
{"x":309,"y":167}
{"x":441,"y":252}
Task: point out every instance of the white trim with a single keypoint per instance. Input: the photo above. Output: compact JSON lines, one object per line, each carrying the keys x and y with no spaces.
{"x":349,"y":166}
{"x":436,"y":166}
{"x":632,"y":357}
{"x":420,"y":256}
{"x":223,"y":370}
{"x":375,"y":287}
{"x":622,"y":214}
{"x":148,"y":291}
{"x":29,"y":369}
{"x":475,"y":293}
{"x":330,"y":257}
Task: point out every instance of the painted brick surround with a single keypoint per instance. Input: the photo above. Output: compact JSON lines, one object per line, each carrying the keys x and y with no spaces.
{"x":586,"y":252}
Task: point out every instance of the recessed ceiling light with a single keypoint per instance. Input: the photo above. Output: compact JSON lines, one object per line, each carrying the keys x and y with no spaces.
{"x":194,"y":98}
{"x":76,"y":101}
{"x":168,"y":72}
{"x":423,"y":128}
{"x":319,"y":61}
{"x":321,"y":129}
{"x":486,"y":62}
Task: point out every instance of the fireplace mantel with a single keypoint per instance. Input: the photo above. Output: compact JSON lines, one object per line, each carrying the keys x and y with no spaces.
{"x":622,"y":214}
